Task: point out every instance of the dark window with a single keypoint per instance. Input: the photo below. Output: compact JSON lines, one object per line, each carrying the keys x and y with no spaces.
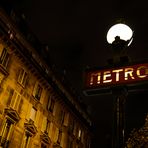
{"x":27,"y":139}
{"x":62,"y":116}
{"x":43,"y":145}
{"x":59,"y":137}
{"x":50,"y":104}
{"x":72,"y":126}
{"x":47,"y":126}
{"x":38,"y":91}
{"x":70,"y":143}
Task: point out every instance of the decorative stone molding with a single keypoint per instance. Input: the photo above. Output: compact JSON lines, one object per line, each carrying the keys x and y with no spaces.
{"x":12,"y":115}
{"x":30,"y":128}
{"x":45,"y":138}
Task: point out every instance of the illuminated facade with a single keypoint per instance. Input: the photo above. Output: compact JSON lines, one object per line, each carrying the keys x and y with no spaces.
{"x":139,"y":137}
{"x":36,"y":110}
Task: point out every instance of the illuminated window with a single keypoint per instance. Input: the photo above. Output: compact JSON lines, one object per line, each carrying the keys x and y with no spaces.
{"x":4,"y":58}
{"x":50,"y":104}
{"x":33,"y":114}
{"x":22,"y":78}
{"x":37,"y":91}
{"x":79,"y":133}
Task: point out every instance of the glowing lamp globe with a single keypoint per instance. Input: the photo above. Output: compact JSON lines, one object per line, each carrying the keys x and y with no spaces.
{"x":123,"y":31}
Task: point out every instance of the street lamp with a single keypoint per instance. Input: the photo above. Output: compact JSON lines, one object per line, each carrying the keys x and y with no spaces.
{"x":119,"y":36}
{"x":122,"y":30}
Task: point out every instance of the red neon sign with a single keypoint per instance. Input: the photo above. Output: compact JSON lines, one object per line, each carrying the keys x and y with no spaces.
{"x":116,"y":76}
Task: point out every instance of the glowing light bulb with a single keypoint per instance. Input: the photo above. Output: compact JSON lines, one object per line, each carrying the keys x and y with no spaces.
{"x":121,"y":30}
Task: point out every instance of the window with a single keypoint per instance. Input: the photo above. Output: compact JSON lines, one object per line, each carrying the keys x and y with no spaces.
{"x":72,"y":126}
{"x":66,"y":119}
{"x":50,"y":104}
{"x":30,"y":130}
{"x":4,"y":137}
{"x":16,"y":98}
{"x":26,"y":141}
{"x":37,"y":91}
{"x":45,"y":125}
{"x":43,"y":145}
{"x":33,"y":114}
{"x":79,"y":134}
{"x":62,"y":116}
{"x":59,"y":137}
{"x":4,"y":58}
{"x":70,"y":143}
{"x":88,"y":142}
{"x":22,"y":78}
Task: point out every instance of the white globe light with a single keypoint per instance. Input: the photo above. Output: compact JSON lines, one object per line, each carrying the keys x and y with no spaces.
{"x":121,"y":30}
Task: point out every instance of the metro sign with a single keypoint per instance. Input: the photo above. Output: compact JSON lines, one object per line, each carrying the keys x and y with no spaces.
{"x":116,"y":76}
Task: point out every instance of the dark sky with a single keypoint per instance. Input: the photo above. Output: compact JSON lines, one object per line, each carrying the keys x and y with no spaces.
{"x":75,"y":31}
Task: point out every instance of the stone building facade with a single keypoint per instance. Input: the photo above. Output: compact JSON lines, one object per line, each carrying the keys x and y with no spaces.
{"x":36,"y":110}
{"x":138,"y":137}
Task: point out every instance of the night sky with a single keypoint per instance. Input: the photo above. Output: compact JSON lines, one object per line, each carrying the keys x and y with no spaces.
{"x":75,"y":31}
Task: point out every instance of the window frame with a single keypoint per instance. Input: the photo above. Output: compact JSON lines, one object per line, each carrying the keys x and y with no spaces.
{"x":22,"y":77}
{"x":5,"y":132}
{"x":15,"y":100}
{"x":32,"y":116}
{"x":37,"y":92}
{"x":4,"y":58}
{"x":51,"y":104}
{"x":59,"y":139}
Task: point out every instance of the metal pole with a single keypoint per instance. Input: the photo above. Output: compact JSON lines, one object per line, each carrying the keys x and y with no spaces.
{"x":119,"y":117}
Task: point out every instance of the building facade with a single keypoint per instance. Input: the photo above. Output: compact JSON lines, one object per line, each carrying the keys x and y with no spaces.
{"x":138,"y":137}
{"x":36,"y":110}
